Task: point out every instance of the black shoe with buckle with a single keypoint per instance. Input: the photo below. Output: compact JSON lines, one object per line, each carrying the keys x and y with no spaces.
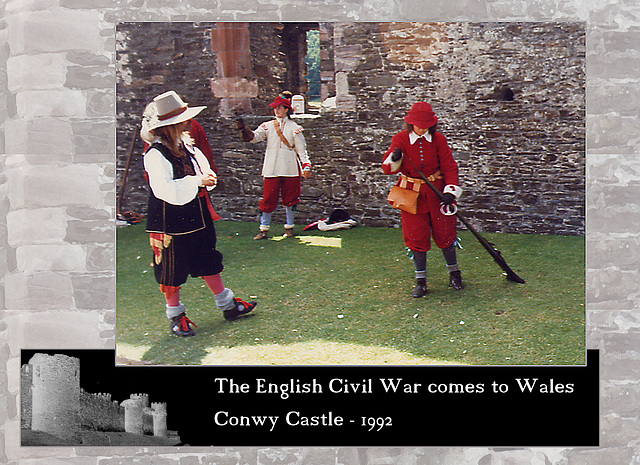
{"x":181,"y":326}
{"x":420,"y":289}
{"x":455,"y":280}
{"x":240,"y":308}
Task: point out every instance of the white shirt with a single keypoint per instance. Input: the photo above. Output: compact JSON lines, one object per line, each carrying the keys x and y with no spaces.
{"x":176,"y":191}
{"x":280,"y":160}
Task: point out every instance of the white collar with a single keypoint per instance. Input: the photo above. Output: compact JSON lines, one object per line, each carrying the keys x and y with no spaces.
{"x":413,"y":137}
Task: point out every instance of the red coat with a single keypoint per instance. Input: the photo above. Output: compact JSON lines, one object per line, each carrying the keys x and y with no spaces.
{"x":200,"y":140}
{"x":428,"y":157}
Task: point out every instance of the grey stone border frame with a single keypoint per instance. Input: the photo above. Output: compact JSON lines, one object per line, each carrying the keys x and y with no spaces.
{"x":57,"y":170}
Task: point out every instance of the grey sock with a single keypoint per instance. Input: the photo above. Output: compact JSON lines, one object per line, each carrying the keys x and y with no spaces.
{"x":450,"y":256}
{"x":174,"y":311}
{"x":420,"y":260}
{"x":224,"y":300}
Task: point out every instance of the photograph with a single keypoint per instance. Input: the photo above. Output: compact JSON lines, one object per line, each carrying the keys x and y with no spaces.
{"x":313,"y":166}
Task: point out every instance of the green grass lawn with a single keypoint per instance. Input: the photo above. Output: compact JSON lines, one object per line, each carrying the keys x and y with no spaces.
{"x":359,"y":293}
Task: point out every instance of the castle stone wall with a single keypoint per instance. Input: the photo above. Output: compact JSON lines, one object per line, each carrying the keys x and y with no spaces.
{"x":510,"y":98}
{"x":98,"y":412}
{"x":53,"y":402}
{"x":159,"y":419}
{"x":133,"y":415}
{"x":26,"y":381}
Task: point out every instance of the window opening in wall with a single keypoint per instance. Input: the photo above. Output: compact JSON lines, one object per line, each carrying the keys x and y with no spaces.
{"x":504,"y":94}
{"x":313,"y":67}
{"x":301,"y":51}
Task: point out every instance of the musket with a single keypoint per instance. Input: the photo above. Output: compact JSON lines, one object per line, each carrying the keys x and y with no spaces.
{"x":489,"y":247}
{"x":129,"y":216}
{"x":126,"y":173}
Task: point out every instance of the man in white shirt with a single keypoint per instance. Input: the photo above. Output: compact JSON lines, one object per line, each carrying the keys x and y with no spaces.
{"x":285,"y":161}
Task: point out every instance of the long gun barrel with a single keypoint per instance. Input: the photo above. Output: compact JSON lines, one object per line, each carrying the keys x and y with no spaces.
{"x":495,"y":253}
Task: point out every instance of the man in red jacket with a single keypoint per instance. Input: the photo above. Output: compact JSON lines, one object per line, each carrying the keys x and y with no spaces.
{"x":421,"y":148}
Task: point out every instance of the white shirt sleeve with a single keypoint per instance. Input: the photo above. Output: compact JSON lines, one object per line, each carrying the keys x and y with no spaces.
{"x":260,"y":133}
{"x":202,"y":166}
{"x":300,"y":145}
{"x":173,"y":191}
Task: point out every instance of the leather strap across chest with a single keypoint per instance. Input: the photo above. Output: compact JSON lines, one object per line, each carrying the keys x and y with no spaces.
{"x":276,"y":125}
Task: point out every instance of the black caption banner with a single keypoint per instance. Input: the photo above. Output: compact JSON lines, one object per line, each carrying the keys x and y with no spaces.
{"x":498,"y":406}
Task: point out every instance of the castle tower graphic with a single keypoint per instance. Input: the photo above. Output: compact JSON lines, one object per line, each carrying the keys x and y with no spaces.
{"x":159,"y":410}
{"x":133,"y":414}
{"x":55,"y":394}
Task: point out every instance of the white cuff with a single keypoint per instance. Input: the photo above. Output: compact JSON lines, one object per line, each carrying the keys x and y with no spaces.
{"x":394,"y":165}
{"x":224,"y":300}
{"x":453,"y":189}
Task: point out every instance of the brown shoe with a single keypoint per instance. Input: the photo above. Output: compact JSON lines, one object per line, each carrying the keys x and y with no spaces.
{"x":288,"y":232}
{"x":262,"y":235}
{"x":420,"y":289}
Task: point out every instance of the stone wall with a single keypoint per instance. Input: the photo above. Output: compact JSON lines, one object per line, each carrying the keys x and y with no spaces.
{"x":510,"y":98}
{"x":26,"y":381}
{"x":158,"y":413}
{"x":98,"y":412}
{"x":52,"y":401}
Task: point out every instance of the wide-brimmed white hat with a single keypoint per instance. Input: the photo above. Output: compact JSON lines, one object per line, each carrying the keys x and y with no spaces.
{"x":167,"y":109}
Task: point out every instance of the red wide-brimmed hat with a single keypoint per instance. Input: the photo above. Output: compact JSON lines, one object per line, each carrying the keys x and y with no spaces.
{"x":280,"y":101}
{"x":421,"y":115}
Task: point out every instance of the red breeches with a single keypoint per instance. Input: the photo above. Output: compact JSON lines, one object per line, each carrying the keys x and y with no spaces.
{"x":418,"y":229}
{"x":287,"y":188}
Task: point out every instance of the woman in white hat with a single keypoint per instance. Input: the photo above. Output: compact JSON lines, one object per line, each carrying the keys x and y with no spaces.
{"x":421,"y":148}
{"x":180,"y":215}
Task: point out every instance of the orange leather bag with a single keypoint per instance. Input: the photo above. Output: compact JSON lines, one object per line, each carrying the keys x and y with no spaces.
{"x":403,"y":198}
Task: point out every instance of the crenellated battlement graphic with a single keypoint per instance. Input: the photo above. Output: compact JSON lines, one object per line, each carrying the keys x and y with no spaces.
{"x":53,"y":402}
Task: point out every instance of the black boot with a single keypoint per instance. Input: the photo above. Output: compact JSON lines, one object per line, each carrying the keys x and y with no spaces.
{"x":182,"y":326}
{"x":240,"y":307}
{"x":421,"y":288}
{"x":455,"y":280}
